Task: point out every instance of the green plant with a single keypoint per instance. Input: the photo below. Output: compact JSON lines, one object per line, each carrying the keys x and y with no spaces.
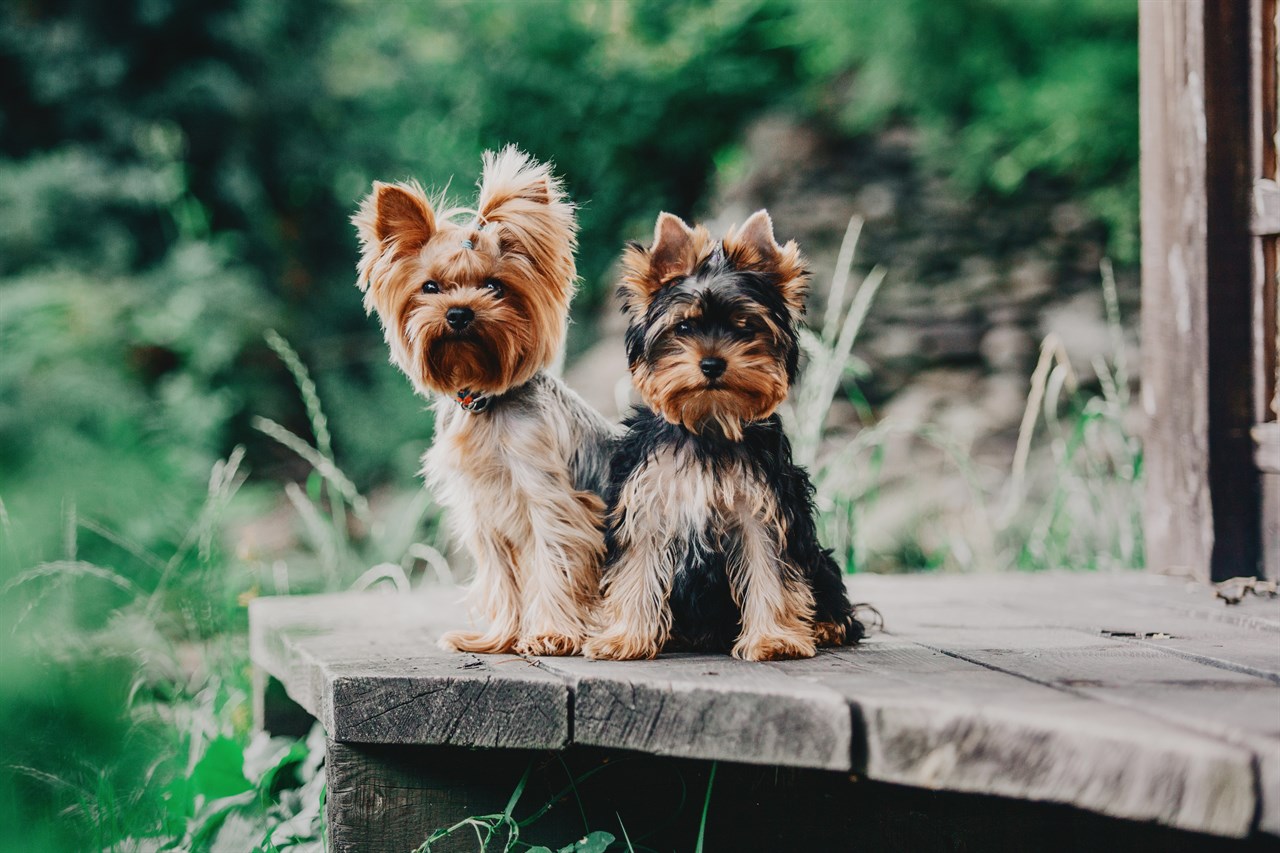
{"x":1072,"y":502}
{"x":1095,"y":470}
{"x":1007,"y":94}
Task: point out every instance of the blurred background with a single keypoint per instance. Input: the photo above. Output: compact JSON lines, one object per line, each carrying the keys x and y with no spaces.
{"x":194,"y":409}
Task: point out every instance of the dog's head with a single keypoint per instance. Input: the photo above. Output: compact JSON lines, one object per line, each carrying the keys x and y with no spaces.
{"x":711,"y":339}
{"x":479,"y":303}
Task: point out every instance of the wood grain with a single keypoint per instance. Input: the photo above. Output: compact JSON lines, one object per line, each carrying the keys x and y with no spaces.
{"x":708,"y":706}
{"x":367,"y":667}
{"x":1130,"y":695}
{"x":1204,"y":499}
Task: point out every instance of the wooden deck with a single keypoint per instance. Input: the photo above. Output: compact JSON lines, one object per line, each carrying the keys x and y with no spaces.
{"x":1127,"y":695}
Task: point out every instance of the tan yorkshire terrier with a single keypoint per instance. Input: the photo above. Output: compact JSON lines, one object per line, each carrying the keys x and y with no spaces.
{"x":474,"y":306}
{"x":711,"y":537}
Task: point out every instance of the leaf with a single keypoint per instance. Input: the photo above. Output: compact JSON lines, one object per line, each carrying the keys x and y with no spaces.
{"x":220,"y":771}
{"x":595,"y":842}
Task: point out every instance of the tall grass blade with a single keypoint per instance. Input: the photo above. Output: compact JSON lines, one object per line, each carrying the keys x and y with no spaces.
{"x":433,"y":558}
{"x":840,"y":279}
{"x":306,"y":387}
{"x":383,"y":571}
{"x":706,"y":807}
{"x":327,"y":468}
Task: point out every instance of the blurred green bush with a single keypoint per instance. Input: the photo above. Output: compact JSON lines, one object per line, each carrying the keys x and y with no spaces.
{"x":176,"y":176}
{"x":1005,"y":92}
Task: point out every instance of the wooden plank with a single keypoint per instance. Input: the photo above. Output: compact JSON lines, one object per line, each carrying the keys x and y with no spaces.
{"x":1196,"y":694}
{"x":1218,"y":679}
{"x":1271,"y":525}
{"x":390,"y":799}
{"x":1266,"y":439}
{"x":366,"y":666}
{"x":1178,"y":514}
{"x":1140,"y":609}
{"x":1238,"y":709}
{"x":1266,"y":207}
{"x":707,"y":706}
{"x":1058,"y":599}
{"x":934,"y":721}
{"x":1233,"y":478}
{"x":1203,"y":495}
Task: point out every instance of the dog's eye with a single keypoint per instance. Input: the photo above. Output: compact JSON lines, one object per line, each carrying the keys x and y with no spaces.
{"x":747,"y":326}
{"x":430,"y":287}
{"x":495,"y":287}
{"x":685,"y":327}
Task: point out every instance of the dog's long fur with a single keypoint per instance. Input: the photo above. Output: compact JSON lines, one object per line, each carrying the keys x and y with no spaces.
{"x":522,"y":479}
{"x":711,"y":539}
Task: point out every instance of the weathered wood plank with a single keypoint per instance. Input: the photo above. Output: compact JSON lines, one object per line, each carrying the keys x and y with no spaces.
{"x":367,"y":667}
{"x":1266,"y":207}
{"x":1203,"y":495}
{"x":1185,"y":619}
{"x":1266,"y":440}
{"x":937,"y":722}
{"x":1024,"y":598}
{"x":707,"y":706}
{"x":1223,"y":686}
{"x":389,"y":800}
{"x":1178,"y":514}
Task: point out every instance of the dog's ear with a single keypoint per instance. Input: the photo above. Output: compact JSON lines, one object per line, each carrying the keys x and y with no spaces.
{"x":645,"y":271}
{"x":673,"y":253}
{"x":512,"y":183}
{"x":754,"y":240}
{"x":393,"y":220}
{"x":753,"y":247}
{"x":527,"y":205}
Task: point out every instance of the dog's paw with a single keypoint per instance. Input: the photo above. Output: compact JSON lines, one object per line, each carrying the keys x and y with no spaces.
{"x":781,"y":647}
{"x":477,"y":642}
{"x":551,"y":645}
{"x":614,"y":646}
{"x":830,"y":633}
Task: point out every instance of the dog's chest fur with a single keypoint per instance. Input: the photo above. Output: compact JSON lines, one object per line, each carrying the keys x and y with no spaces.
{"x":674,"y":495}
{"x":525,"y":443}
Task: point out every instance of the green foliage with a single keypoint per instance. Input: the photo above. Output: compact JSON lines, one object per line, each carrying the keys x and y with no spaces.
{"x":1005,"y":92}
{"x":630,"y":100}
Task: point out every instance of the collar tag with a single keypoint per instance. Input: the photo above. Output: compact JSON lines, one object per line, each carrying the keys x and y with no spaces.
{"x":472,"y":401}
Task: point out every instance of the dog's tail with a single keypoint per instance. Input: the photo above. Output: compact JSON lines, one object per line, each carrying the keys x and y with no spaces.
{"x":863,"y":621}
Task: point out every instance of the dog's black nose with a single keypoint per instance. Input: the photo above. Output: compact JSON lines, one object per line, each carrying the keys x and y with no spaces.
{"x":712,"y":367}
{"x":459,"y":318}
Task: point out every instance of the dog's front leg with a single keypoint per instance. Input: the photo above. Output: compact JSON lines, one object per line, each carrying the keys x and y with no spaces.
{"x":561,"y":575}
{"x":776,"y":604}
{"x":634,"y":621}
{"x":495,"y":592}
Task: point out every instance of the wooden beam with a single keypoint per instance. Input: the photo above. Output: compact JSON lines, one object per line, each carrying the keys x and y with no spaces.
{"x":1203,"y":508}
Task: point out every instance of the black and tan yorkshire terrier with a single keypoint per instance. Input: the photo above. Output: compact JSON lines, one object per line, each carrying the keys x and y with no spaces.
{"x":474,"y":304}
{"x":711,"y":538}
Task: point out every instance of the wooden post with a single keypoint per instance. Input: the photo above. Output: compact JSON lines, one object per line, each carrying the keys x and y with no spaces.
{"x":1263,"y":62}
{"x":1204,"y":503}
{"x":391,"y":798}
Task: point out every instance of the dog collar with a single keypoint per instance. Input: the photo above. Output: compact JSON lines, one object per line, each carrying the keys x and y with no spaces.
{"x":472,"y":401}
